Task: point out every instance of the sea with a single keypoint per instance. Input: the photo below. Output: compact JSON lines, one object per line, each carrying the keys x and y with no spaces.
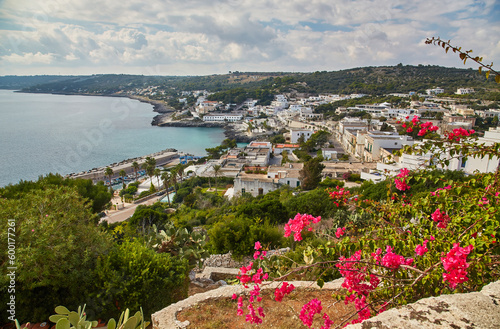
{"x":44,"y":133}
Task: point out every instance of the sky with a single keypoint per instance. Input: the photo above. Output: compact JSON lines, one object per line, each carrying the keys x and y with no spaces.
{"x":203,"y":37}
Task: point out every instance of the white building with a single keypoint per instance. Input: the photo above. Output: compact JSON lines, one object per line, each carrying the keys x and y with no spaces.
{"x":221,"y":117}
{"x":375,"y":140}
{"x":279,"y":148}
{"x":295,"y":134}
{"x":260,"y":184}
{"x":434,"y":91}
{"x":413,"y":162}
{"x":329,"y":153}
{"x":463,"y":91}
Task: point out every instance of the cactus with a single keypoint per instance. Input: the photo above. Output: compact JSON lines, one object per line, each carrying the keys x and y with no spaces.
{"x":65,"y":319}
{"x":181,"y":242}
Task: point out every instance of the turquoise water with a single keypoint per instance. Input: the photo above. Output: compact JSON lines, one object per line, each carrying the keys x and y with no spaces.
{"x":42,"y":133}
{"x":170,"y":195}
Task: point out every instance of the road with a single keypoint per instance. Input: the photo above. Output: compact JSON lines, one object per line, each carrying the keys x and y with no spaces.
{"x":123,"y":214}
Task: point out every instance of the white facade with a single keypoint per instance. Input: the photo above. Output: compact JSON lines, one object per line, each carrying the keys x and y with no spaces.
{"x":296,"y":134}
{"x":434,"y":91}
{"x":375,"y":140}
{"x":220,"y":117}
{"x":413,"y":162}
{"x":329,"y":154}
{"x":463,"y":91}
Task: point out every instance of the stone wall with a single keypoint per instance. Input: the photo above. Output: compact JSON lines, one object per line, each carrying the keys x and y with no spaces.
{"x":471,"y":310}
{"x":226,"y":260}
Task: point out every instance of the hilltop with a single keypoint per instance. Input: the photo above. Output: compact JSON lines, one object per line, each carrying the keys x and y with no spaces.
{"x":370,"y":80}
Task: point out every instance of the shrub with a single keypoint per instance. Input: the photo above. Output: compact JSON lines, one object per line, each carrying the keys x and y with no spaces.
{"x":132,"y":275}
{"x":57,"y":245}
{"x":239,"y":234}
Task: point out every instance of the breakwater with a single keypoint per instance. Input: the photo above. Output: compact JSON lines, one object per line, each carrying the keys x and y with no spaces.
{"x":165,"y":157}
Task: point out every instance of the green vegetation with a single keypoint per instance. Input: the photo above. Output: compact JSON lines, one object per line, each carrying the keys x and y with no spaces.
{"x":236,"y":87}
{"x":64,"y":257}
{"x":57,"y":248}
{"x":133,"y":275}
{"x":97,"y":195}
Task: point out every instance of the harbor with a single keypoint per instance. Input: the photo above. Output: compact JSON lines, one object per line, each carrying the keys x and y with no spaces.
{"x":165,"y":158}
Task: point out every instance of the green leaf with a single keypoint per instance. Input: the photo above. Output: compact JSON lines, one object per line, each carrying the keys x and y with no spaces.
{"x":131,"y":323}
{"x":127,"y":313}
{"x":62,"y":310}
{"x":74,"y":318}
{"x":56,"y":317}
{"x":320,"y":283}
{"x":111,"y":324}
{"x":63,"y":324}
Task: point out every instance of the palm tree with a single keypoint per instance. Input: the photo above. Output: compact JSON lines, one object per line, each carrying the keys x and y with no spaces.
{"x":108,"y":172}
{"x":166,"y":177}
{"x":173,"y":178}
{"x":149,"y":165}
{"x":180,"y":170}
{"x":136,"y":167}
{"x":157,"y":173}
{"x":217,"y":169}
{"x":122,"y":174}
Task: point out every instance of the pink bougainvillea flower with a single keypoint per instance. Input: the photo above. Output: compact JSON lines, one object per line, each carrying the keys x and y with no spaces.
{"x":298,"y":223}
{"x":455,"y":263}
{"x":441,"y":218}
{"x":421,"y":249}
{"x":284,"y":290}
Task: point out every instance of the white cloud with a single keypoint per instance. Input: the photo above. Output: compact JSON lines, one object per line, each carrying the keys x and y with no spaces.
{"x":257,"y":35}
{"x":29,"y":58}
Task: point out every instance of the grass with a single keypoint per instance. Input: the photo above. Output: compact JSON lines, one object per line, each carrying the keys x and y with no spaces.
{"x":220,"y":313}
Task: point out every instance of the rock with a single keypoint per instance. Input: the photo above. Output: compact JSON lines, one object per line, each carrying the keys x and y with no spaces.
{"x":471,"y":310}
{"x":182,"y":325}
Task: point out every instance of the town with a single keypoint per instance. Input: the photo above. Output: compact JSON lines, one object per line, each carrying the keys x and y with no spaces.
{"x":358,"y":140}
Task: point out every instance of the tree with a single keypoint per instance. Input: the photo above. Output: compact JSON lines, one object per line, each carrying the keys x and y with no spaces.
{"x":57,"y":247}
{"x":109,"y":172}
{"x":217,"y":169}
{"x":180,"y":171}
{"x":284,"y":157}
{"x":166,"y":181}
{"x":149,"y":165}
{"x":136,"y":167}
{"x":157,"y":173}
{"x":122,"y":174}
{"x":173,"y":178}
{"x":310,"y":175}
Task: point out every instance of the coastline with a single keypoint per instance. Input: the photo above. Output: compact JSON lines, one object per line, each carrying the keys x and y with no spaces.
{"x":92,"y":135}
{"x":161,"y":119}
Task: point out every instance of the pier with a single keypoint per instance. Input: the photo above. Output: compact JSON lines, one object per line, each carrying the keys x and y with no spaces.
{"x":163,"y":158}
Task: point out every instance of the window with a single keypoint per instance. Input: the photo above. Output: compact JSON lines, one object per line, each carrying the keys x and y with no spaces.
{"x":242,"y":191}
{"x":261,"y":191}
